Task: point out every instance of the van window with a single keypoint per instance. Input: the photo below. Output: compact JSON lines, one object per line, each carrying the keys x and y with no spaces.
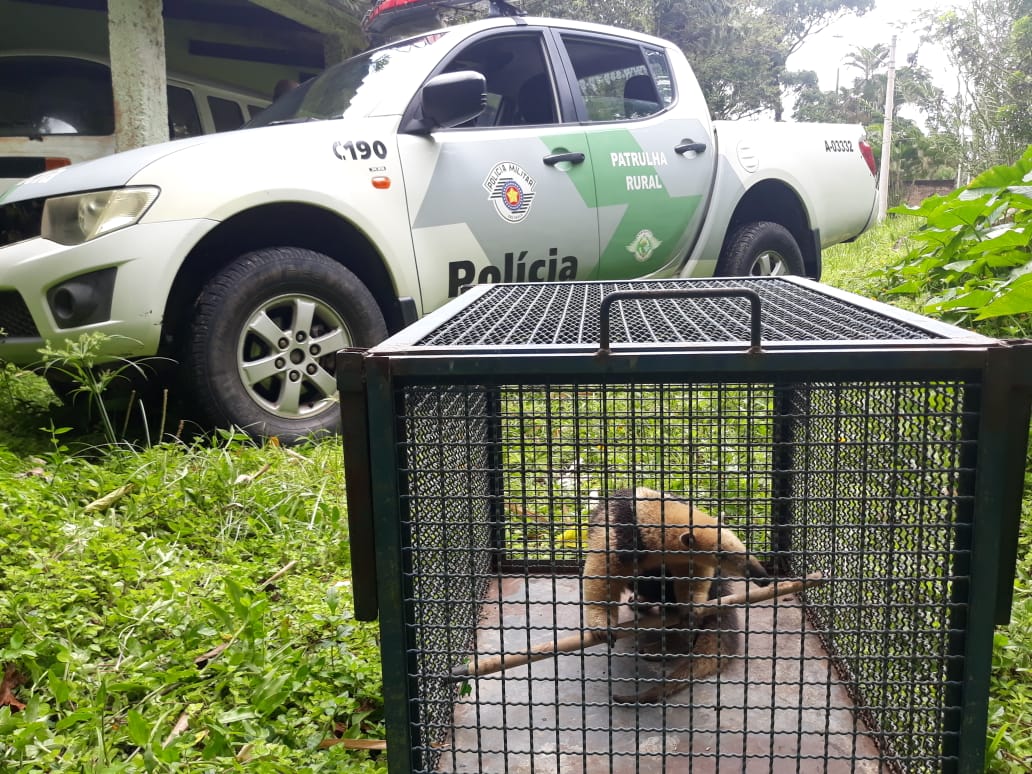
{"x":54,"y":95}
{"x":183,"y":120}
{"x":225,"y":114}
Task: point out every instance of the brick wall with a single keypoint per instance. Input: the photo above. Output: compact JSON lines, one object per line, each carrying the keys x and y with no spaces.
{"x":919,"y":190}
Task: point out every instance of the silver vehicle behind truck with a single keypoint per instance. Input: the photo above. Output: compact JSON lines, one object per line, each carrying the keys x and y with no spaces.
{"x":58,"y":108}
{"x":503,"y":150}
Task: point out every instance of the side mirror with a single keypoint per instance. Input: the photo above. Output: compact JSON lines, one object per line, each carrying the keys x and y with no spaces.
{"x":447,"y":100}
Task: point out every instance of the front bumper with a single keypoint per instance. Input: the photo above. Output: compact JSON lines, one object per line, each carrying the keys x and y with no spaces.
{"x":145,"y":258}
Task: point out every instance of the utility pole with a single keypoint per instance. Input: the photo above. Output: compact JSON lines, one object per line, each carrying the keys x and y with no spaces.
{"x":886,"y":148}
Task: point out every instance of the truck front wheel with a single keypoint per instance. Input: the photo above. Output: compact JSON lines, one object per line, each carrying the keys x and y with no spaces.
{"x":260,"y":354}
{"x":760,"y":249}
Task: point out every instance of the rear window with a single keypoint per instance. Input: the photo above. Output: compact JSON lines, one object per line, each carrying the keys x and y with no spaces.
{"x":54,"y":95}
{"x":226,"y":115}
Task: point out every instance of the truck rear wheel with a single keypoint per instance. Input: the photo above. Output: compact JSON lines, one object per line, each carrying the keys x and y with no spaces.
{"x":260,"y":354}
{"x":760,"y":249}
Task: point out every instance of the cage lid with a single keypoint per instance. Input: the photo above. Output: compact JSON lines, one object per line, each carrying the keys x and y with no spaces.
{"x":792,"y":310}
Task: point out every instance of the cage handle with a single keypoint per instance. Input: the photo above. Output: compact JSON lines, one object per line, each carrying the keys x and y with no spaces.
{"x":733,"y":292}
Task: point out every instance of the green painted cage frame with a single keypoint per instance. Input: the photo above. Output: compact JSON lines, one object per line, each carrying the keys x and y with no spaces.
{"x":863,"y":427}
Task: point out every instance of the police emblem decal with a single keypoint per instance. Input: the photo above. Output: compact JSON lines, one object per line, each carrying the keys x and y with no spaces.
{"x":643,"y":245}
{"x":511,"y":190}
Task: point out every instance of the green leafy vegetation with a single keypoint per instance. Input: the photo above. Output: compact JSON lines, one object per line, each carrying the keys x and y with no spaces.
{"x":970,"y":260}
{"x":177,"y":606}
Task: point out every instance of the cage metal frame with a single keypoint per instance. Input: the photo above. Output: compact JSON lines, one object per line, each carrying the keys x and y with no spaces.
{"x":1000,"y":372}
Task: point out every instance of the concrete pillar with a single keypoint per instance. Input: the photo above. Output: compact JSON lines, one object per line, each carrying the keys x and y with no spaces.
{"x":136,"y":39}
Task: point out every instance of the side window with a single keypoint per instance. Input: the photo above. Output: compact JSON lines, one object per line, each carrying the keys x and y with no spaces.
{"x":225,"y":114}
{"x":614,"y":80}
{"x":520,"y":90}
{"x":660,"y":68}
{"x":183,"y":120}
{"x":43,"y":95}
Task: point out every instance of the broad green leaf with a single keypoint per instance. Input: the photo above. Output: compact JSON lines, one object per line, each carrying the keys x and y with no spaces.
{"x":959,"y":266}
{"x":236,"y":715}
{"x":1002,"y":239}
{"x":219,"y":612}
{"x":1009,"y":259}
{"x":73,"y":718}
{"x":972,"y":300}
{"x":139,"y":729}
{"x":923,"y":209}
{"x":1019,"y":278}
{"x":58,"y":686}
{"x":913,"y":286}
{"x":271,"y":693}
{"x":956,"y":214}
{"x":997,"y":177}
{"x":1016,"y":299}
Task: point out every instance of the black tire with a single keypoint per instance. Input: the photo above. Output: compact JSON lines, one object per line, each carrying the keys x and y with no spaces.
{"x":247,"y":362}
{"x":760,"y":249}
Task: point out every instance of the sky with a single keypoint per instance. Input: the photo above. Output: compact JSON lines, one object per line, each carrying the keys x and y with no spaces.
{"x":826,"y":51}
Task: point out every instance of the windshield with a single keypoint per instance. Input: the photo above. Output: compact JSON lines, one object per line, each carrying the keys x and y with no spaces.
{"x":346,"y":88}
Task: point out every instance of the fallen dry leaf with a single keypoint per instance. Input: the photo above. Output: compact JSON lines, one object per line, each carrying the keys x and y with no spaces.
{"x":11,"y":681}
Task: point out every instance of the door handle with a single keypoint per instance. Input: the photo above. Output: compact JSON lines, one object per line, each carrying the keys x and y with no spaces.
{"x":689,"y":145}
{"x":556,"y":158}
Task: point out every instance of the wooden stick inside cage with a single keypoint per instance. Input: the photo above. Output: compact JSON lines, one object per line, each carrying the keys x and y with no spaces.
{"x":497,"y":663}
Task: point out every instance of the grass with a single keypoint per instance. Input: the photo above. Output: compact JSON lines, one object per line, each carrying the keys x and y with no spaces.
{"x":187,"y":606}
{"x":181,"y":606}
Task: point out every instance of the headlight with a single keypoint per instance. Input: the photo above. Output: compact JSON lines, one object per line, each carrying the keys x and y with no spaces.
{"x":72,"y":220}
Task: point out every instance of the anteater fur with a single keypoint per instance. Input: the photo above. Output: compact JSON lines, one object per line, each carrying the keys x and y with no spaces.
{"x":672,"y":554}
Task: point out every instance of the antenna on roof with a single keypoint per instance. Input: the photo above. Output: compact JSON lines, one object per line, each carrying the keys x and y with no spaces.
{"x":505,"y":8}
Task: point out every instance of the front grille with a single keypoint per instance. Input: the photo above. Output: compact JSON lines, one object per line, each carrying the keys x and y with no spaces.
{"x":15,"y":320}
{"x":20,"y":221}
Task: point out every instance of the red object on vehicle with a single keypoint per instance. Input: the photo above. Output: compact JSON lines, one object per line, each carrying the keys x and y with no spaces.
{"x":868,"y":153}
{"x":387,"y":13}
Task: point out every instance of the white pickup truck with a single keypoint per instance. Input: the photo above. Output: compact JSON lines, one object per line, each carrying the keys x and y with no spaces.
{"x":508,"y":149}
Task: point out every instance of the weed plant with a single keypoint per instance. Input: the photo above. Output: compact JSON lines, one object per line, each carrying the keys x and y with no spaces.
{"x":145,"y":624}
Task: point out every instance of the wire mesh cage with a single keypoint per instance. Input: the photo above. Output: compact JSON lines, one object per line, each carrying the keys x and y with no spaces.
{"x":690,"y":525}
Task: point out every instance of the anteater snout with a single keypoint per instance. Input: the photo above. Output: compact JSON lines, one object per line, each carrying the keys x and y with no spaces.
{"x":755,"y":572}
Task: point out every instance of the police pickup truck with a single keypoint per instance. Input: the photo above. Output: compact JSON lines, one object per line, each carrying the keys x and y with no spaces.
{"x":511,"y":149}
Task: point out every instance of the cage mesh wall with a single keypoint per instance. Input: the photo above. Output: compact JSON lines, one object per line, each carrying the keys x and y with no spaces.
{"x":856,"y":675}
{"x":860,"y":465}
{"x":448,"y":507}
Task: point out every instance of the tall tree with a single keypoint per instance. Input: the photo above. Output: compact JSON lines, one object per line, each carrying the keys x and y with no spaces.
{"x":868,"y":60}
{"x":799,"y":19}
{"x":737,"y":53}
{"x":989,"y":42}
{"x":737,"y":47}
{"x":633,"y":14}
